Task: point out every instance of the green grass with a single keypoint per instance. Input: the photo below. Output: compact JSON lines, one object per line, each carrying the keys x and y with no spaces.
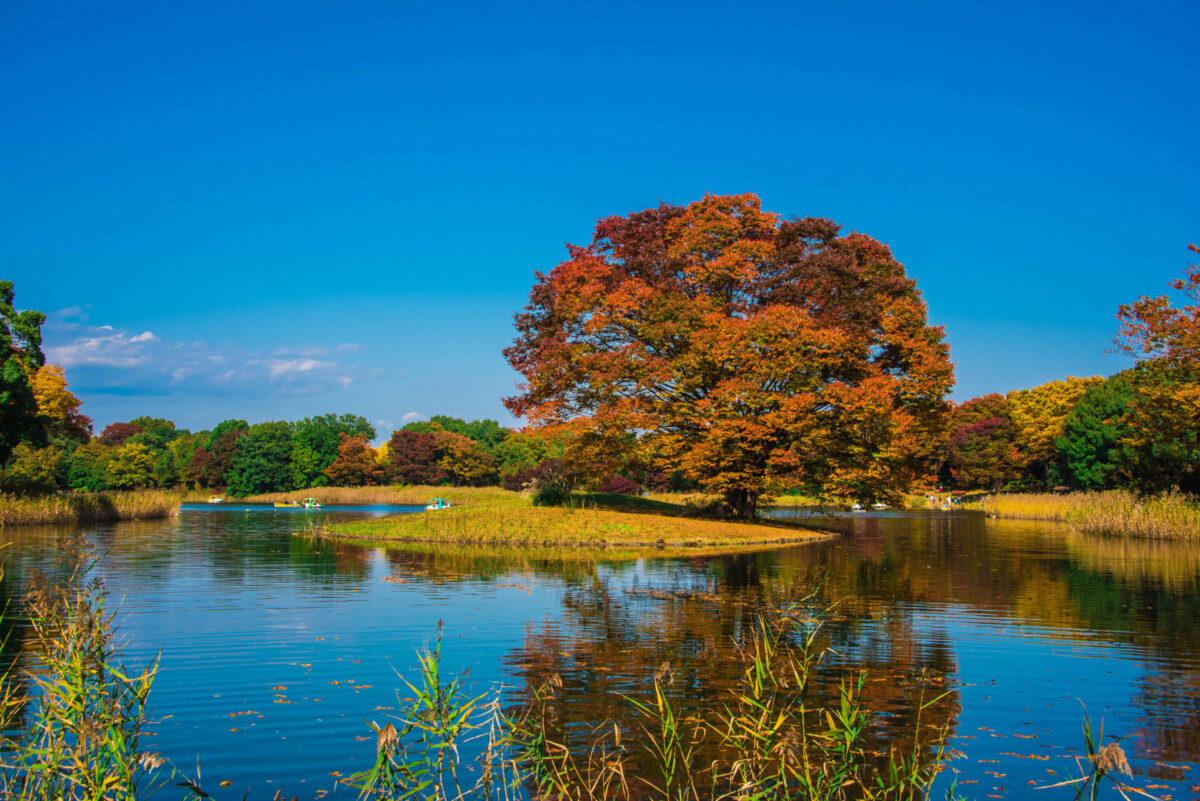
{"x":1114,"y":512}
{"x":502,"y":518}
{"x":91,"y":507}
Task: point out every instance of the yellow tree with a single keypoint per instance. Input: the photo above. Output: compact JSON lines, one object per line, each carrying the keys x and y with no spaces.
{"x":1039,"y":418}
{"x":58,"y":406}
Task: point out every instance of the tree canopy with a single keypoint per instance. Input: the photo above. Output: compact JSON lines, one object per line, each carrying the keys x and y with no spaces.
{"x":750,"y":352}
{"x":20,"y":357}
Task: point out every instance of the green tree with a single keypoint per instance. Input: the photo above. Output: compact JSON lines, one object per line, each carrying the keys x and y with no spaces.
{"x":172,"y":465}
{"x":263,"y":462}
{"x":216,"y":458}
{"x":33,"y":471}
{"x":315,"y":443}
{"x":131,"y":465}
{"x":87,"y":467}
{"x":487,"y":433}
{"x":20,"y":357}
{"x":1090,"y":455}
{"x":520,"y":451}
{"x":1039,"y":417}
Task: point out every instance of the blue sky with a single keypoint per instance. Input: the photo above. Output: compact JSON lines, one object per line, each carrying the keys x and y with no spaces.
{"x":270,"y":210}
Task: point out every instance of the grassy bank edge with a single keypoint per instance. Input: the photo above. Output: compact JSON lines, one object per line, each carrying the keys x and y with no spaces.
{"x":87,"y":507}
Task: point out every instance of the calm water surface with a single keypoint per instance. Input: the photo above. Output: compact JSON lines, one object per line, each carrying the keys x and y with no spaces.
{"x":276,"y":648}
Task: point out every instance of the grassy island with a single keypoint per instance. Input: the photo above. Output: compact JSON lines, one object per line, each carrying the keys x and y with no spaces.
{"x":497,"y":517}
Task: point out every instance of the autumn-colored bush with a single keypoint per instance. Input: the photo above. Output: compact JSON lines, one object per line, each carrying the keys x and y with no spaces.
{"x":619,"y":485}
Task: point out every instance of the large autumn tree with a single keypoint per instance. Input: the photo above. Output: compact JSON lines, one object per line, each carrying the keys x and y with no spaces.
{"x":750,"y":352}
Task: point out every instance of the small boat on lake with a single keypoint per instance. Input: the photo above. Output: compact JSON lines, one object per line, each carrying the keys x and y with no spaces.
{"x":437,"y":503}
{"x":215,"y":499}
{"x":287,"y":504}
{"x":312,"y":503}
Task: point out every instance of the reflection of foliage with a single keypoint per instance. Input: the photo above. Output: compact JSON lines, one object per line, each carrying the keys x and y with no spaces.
{"x":765,"y":741}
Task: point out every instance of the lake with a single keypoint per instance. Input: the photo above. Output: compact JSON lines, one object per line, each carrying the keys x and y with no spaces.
{"x":276,"y":648}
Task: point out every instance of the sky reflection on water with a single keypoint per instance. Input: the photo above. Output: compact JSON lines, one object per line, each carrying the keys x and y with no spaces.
{"x":275,"y":647}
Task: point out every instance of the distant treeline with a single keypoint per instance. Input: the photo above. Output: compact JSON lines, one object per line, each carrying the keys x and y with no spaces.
{"x":1135,"y":430}
{"x":243,"y":459}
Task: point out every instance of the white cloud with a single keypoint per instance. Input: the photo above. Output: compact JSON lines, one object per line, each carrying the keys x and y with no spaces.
{"x":412,"y":416}
{"x":105,"y":359}
{"x":288,"y":367}
{"x":100,"y":348}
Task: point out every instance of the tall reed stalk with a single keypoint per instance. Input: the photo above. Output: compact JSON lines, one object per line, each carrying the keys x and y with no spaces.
{"x":767,"y":741}
{"x":73,"y":727}
{"x":1169,"y":516}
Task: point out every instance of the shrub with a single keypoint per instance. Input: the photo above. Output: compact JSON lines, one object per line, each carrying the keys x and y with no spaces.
{"x":619,"y":485}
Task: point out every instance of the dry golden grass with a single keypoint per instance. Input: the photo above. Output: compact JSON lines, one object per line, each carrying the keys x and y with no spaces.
{"x":1115,"y":512}
{"x":601,"y":521}
{"x":89,"y":507}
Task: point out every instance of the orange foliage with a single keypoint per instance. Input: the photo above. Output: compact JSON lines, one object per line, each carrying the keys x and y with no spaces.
{"x":750,"y":352}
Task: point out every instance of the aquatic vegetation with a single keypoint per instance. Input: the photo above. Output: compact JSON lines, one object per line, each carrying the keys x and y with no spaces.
{"x":765,"y":739}
{"x":1169,"y":516}
{"x":87,"y":507}
{"x":77,"y":732}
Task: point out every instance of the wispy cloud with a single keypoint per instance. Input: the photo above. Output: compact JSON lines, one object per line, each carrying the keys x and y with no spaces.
{"x":105,"y":359}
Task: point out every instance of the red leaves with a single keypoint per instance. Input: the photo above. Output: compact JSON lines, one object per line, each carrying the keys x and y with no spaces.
{"x":746,"y":351}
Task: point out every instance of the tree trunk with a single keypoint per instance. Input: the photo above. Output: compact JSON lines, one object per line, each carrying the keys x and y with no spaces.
{"x":742,"y":503}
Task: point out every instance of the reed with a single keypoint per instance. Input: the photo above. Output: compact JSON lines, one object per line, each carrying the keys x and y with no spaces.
{"x":73,"y":723}
{"x":511,"y":520}
{"x":769,"y":740}
{"x":82,"y":508}
{"x":1116,"y":512}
